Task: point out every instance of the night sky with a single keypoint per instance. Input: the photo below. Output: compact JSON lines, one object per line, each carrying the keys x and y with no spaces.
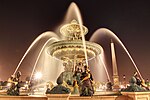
{"x":21,"y":21}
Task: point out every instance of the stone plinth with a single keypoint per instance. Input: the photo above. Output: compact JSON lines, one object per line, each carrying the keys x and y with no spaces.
{"x":76,"y":97}
{"x":23,"y":97}
{"x":137,"y":95}
{"x":92,"y":98}
{"x":58,"y":96}
{"x":124,"y":96}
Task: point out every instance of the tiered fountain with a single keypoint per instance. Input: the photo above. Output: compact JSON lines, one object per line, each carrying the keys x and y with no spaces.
{"x":63,"y":52}
{"x":71,"y":50}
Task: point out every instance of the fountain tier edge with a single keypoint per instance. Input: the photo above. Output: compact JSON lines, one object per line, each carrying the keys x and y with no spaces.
{"x":70,"y":49}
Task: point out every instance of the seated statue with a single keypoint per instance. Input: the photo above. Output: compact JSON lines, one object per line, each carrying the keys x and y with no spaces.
{"x":140,"y":82}
{"x":59,"y":89}
{"x":86,"y":83}
{"x":133,"y":86}
{"x":15,"y":84}
{"x":109,"y":86}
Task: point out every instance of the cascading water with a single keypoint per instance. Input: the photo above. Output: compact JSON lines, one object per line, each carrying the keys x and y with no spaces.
{"x":102,"y":58}
{"x":53,"y":46}
{"x":48,"y":41}
{"x":109,"y":33}
{"x":74,"y":13}
{"x":43,"y":61}
{"x":43,"y":36}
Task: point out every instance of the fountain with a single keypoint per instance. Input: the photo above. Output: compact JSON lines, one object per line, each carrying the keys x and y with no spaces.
{"x":62,"y":53}
{"x":66,"y":49}
{"x":71,"y":50}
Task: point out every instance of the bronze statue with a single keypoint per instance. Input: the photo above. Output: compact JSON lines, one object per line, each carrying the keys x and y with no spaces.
{"x":86,"y":83}
{"x":109,"y":85}
{"x":59,"y":89}
{"x":134,"y":85}
{"x":15,"y":86}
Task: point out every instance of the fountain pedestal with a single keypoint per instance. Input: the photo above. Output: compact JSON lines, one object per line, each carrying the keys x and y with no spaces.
{"x":58,"y":96}
{"x":116,"y":83}
{"x":137,"y":95}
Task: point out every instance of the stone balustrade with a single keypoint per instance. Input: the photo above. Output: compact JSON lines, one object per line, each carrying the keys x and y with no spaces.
{"x":124,"y":96}
{"x":137,"y":95}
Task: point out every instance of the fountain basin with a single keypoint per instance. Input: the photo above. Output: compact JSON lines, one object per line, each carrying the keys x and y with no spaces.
{"x":138,"y":95}
{"x":101,"y":95}
{"x":72,"y":49}
{"x":23,"y":97}
{"x":124,"y":96}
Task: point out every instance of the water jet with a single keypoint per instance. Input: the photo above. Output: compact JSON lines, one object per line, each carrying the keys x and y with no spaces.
{"x":63,"y":51}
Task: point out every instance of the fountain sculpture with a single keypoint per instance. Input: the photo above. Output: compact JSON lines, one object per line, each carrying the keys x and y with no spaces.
{"x":65,"y":53}
{"x":71,"y":50}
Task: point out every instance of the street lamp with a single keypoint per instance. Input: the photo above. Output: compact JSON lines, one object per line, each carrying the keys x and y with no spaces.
{"x":38,"y":75}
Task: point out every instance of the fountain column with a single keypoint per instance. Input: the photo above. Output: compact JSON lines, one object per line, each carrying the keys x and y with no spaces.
{"x":115,"y":70}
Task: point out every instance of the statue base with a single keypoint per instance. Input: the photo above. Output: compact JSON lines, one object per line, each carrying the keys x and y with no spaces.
{"x":116,"y":88}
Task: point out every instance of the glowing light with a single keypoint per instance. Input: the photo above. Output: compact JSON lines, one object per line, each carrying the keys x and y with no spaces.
{"x":8,"y":84}
{"x":40,"y":55}
{"x":122,"y":87}
{"x":38,"y":75}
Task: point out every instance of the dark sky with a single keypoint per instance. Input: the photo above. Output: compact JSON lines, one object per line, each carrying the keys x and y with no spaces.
{"x":21,"y":21}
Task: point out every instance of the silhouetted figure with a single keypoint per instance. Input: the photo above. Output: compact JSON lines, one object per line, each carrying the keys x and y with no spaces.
{"x":15,"y":86}
{"x":133,"y":86}
{"x":138,"y":80}
{"x":59,"y":89}
{"x":86,"y":83}
{"x":109,"y":86}
{"x":124,"y":81}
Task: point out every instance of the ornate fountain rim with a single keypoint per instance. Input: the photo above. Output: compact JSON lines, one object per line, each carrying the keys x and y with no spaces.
{"x":61,"y":48}
{"x":73,"y":28}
